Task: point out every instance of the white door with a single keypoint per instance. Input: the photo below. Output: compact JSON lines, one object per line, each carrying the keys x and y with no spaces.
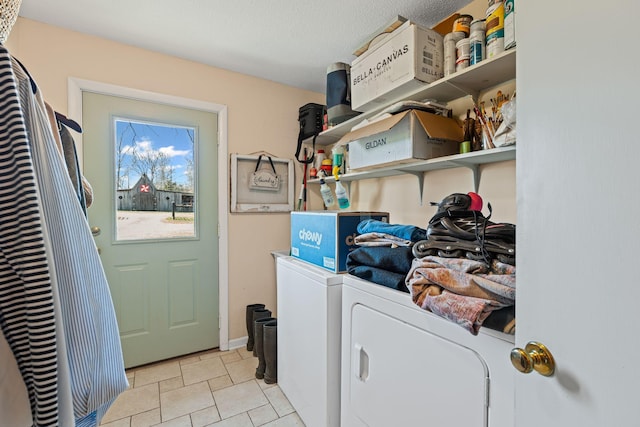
{"x":578,"y":205}
{"x":157,"y":218}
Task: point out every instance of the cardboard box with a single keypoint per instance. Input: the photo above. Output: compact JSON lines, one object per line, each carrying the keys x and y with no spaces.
{"x":408,"y":58}
{"x":403,"y":138}
{"x":325,"y":238}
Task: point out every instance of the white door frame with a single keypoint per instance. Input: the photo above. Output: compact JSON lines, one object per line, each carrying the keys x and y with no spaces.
{"x":75,"y":88}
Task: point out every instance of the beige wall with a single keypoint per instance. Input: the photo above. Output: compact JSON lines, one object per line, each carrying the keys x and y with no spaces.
{"x":262,"y":115}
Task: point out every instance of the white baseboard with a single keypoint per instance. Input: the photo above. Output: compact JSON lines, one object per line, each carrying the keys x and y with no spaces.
{"x":238,"y":342}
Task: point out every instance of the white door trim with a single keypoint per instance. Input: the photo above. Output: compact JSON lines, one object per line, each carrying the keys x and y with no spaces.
{"x":74,"y":93}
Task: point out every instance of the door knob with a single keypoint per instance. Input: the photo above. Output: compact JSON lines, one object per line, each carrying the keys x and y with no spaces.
{"x":535,"y":356}
{"x":95,"y":231}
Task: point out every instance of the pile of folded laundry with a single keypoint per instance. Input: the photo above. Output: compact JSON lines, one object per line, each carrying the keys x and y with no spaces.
{"x":462,"y":267}
{"x":384,"y":253}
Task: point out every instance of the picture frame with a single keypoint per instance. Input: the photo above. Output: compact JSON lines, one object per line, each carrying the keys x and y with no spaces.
{"x":275,"y":194}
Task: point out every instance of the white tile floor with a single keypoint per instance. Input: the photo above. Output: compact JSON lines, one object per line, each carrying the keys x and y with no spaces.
{"x":213,"y":388}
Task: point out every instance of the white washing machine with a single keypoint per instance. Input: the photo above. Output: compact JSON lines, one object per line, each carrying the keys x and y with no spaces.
{"x":309,"y":317}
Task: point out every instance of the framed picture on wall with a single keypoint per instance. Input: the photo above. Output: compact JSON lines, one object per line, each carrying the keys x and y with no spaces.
{"x":261,"y":183}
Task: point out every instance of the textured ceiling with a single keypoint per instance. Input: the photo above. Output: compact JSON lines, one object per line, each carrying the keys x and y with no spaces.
{"x":287,"y":41}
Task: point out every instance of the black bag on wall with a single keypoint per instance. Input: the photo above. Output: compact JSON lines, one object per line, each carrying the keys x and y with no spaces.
{"x":310,"y":117}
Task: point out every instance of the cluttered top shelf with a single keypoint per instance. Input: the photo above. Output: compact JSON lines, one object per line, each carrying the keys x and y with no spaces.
{"x":469,"y":81}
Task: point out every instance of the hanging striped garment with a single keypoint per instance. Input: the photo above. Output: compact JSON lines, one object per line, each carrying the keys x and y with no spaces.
{"x":90,"y":327}
{"x":27,"y":314}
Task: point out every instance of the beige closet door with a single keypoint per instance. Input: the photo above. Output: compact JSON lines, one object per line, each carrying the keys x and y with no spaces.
{"x":153,"y":169}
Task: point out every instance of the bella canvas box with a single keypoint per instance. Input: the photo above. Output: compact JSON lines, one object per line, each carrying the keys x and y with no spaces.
{"x":406,"y":59}
{"x":325,"y":238}
{"x":403,"y":138}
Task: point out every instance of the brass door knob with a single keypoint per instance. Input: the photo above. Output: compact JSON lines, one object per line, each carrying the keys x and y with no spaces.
{"x":535,"y":356}
{"x":95,"y":230}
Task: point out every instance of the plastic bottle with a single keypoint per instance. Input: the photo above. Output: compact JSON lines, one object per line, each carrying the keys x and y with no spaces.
{"x":341,"y":195}
{"x":327,"y":194}
{"x":319,"y":158}
{"x":338,"y":157}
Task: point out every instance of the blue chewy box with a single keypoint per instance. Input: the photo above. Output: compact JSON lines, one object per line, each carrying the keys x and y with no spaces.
{"x":325,"y":238}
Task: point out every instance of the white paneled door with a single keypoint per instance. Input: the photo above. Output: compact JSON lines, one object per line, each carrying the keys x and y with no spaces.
{"x":578,"y":205}
{"x":153,"y":169}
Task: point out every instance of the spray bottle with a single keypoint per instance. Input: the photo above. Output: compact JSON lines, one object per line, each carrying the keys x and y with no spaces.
{"x":327,"y":194}
{"x":341,"y":192}
{"x":341,"y":195}
{"x":338,"y":156}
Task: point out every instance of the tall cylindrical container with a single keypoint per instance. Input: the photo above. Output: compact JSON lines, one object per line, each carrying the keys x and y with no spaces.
{"x":450,"y":41}
{"x":462,"y":54}
{"x":509,"y":24}
{"x":495,"y":30}
{"x":338,"y":94}
{"x":477,"y":42}
{"x":320,"y":156}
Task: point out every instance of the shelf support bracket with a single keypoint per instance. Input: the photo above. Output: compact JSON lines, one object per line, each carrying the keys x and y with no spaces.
{"x":474,"y":94}
{"x":475,"y":169}
{"x":420,"y":176}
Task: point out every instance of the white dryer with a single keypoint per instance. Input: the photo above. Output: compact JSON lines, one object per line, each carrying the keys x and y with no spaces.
{"x":403,"y":366}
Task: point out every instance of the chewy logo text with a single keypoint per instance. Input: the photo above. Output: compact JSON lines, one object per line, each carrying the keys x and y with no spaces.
{"x":312,"y":236}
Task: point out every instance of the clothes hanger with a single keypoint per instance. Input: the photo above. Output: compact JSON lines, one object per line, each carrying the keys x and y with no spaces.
{"x":70,"y":123}
{"x":34,"y":86}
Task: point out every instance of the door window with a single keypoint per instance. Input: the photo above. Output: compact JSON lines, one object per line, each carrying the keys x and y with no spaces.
{"x":155,"y":174}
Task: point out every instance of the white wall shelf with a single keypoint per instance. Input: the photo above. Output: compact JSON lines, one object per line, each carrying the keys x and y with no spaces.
{"x":419,"y":168}
{"x":470,"y":81}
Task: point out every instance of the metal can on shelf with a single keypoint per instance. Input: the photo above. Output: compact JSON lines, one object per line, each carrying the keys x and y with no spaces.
{"x":477,"y":45}
{"x":462,"y":54}
{"x":450,"y":41}
{"x":462,"y":24}
{"x":494,"y":45}
{"x":495,"y":30}
{"x":509,"y":24}
{"x":478,"y":24}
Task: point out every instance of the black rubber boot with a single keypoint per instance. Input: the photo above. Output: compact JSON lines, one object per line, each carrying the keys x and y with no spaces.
{"x":259,"y":344}
{"x":270,"y":331}
{"x":259,"y":313}
{"x":249,"y":318}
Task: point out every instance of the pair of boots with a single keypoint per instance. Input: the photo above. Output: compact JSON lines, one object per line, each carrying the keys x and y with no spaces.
{"x":262,"y":330}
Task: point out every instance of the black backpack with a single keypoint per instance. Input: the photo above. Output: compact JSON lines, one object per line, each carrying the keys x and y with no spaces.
{"x":311,"y":117}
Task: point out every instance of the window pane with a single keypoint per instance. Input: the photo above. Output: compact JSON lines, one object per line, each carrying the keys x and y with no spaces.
{"x":155,"y":174}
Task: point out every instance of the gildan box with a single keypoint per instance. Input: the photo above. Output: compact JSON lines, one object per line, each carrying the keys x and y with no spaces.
{"x":403,"y":138}
{"x":406,"y":59}
{"x":325,"y":238}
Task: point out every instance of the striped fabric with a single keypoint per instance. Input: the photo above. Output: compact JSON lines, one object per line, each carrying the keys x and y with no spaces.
{"x":90,"y":327}
{"x":26,"y":299}
{"x":63,"y":375}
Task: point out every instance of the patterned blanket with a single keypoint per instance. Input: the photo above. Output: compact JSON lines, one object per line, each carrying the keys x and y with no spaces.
{"x":461,"y":290}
